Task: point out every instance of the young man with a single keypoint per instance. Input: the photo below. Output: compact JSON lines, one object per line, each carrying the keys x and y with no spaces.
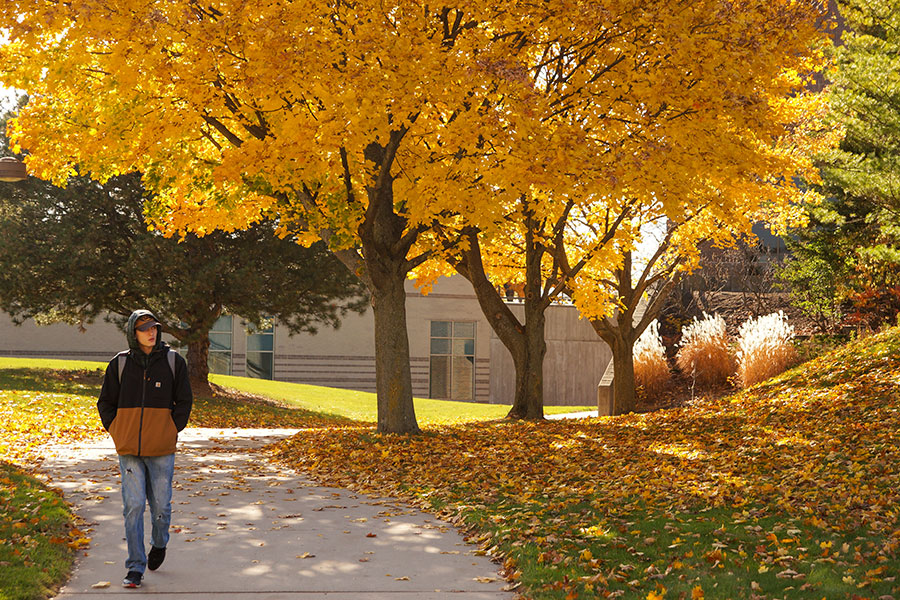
{"x":144,"y":402}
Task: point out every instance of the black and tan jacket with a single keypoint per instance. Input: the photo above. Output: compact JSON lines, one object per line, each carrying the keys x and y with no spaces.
{"x":145,"y":411}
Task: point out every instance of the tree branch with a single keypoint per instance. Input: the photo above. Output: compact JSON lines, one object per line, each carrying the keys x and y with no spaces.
{"x":221,"y":128}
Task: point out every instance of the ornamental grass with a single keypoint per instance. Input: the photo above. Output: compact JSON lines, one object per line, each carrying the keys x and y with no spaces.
{"x":765,"y":348}
{"x":705,"y":355}
{"x":651,"y":371}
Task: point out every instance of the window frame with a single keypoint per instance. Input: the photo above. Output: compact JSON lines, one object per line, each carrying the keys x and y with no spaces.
{"x":229,"y":351}
{"x":451,"y":355}
{"x":251,"y":331}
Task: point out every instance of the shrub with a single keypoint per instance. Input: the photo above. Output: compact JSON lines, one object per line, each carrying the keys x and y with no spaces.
{"x":765,"y":348}
{"x":651,"y":371}
{"x":704,"y":354}
{"x":813,"y":283}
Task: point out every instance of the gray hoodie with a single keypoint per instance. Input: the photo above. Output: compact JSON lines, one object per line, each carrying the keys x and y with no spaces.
{"x":132,"y":337}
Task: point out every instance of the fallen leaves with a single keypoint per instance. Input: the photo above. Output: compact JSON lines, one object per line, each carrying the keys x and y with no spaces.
{"x":781,"y":489}
{"x":35,"y":412}
{"x":773,"y":483}
{"x":38,"y":537}
{"x":40,"y":407}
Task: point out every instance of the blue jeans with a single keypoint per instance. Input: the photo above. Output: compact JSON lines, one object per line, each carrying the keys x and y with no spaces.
{"x":146,"y":479}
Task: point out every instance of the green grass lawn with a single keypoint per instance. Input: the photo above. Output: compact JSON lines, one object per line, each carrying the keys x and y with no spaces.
{"x":327,"y":403}
{"x":50,"y":363}
{"x":362,"y":406}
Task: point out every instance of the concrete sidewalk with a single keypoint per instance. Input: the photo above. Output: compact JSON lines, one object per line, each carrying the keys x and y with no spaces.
{"x":589,"y":414}
{"x":244,"y":528}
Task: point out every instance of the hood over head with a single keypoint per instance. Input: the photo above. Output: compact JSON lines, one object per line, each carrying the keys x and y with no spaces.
{"x":129,"y":330}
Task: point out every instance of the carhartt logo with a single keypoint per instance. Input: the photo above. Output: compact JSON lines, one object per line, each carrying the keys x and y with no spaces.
{"x":158,"y":383}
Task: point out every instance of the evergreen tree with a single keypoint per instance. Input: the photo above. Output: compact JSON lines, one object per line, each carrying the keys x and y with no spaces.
{"x":73,"y":254}
{"x":854,"y":235}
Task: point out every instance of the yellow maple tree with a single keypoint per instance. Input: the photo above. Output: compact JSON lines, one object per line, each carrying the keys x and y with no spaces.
{"x":371,"y":125}
{"x":690,"y":120}
{"x":357,"y":123}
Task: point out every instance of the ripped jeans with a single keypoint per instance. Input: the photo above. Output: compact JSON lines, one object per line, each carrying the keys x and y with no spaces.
{"x":146,"y":479}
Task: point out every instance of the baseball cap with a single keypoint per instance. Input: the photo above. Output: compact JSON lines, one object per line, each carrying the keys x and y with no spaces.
{"x":146,"y":325}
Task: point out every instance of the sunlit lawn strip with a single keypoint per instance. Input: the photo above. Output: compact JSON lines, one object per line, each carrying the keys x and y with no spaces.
{"x":37,"y":537}
{"x":9,"y":362}
{"x":789,"y":489}
{"x":317,"y":405}
{"x":39,"y":406}
{"x":362,"y":406}
{"x":229,"y":413}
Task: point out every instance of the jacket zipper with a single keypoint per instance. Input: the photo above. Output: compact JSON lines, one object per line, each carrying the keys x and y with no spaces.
{"x":143,"y":398}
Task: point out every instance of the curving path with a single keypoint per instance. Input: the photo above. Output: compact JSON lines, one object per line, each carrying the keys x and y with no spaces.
{"x":244,"y":528}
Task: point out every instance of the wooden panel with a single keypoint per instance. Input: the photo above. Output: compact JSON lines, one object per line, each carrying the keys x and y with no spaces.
{"x":573,"y":366}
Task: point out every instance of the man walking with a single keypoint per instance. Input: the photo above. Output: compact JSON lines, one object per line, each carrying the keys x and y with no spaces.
{"x":144,"y":402}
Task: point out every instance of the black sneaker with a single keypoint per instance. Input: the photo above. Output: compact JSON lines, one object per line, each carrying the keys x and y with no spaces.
{"x":155,"y":558}
{"x":133,"y":579}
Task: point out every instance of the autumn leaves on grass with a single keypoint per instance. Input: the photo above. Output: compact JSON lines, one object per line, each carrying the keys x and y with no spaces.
{"x":37,"y":536}
{"x":44,"y":406}
{"x":788,"y":488}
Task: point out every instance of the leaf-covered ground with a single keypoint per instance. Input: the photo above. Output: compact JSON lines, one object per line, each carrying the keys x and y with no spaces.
{"x":38,"y":406}
{"x":49,"y":406}
{"x":37,"y":536}
{"x":42,"y":406}
{"x":788,"y":490}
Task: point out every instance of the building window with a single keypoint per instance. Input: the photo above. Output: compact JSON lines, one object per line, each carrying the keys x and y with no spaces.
{"x":452,"y":360}
{"x":261,"y":352}
{"x":220,"y":339}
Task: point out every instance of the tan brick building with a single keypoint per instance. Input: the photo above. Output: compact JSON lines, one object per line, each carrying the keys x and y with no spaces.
{"x":454,"y":354}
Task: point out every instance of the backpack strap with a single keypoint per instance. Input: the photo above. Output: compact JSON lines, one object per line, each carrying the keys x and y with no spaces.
{"x":121,"y":357}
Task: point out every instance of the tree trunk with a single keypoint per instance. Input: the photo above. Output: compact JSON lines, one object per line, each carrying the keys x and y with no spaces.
{"x":525,"y":342}
{"x":385,"y":245}
{"x":623,"y":378}
{"x":393,"y":379}
{"x":529,"y":364}
{"x":198,"y":366}
{"x":529,"y":402}
{"x":621,"y":332}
